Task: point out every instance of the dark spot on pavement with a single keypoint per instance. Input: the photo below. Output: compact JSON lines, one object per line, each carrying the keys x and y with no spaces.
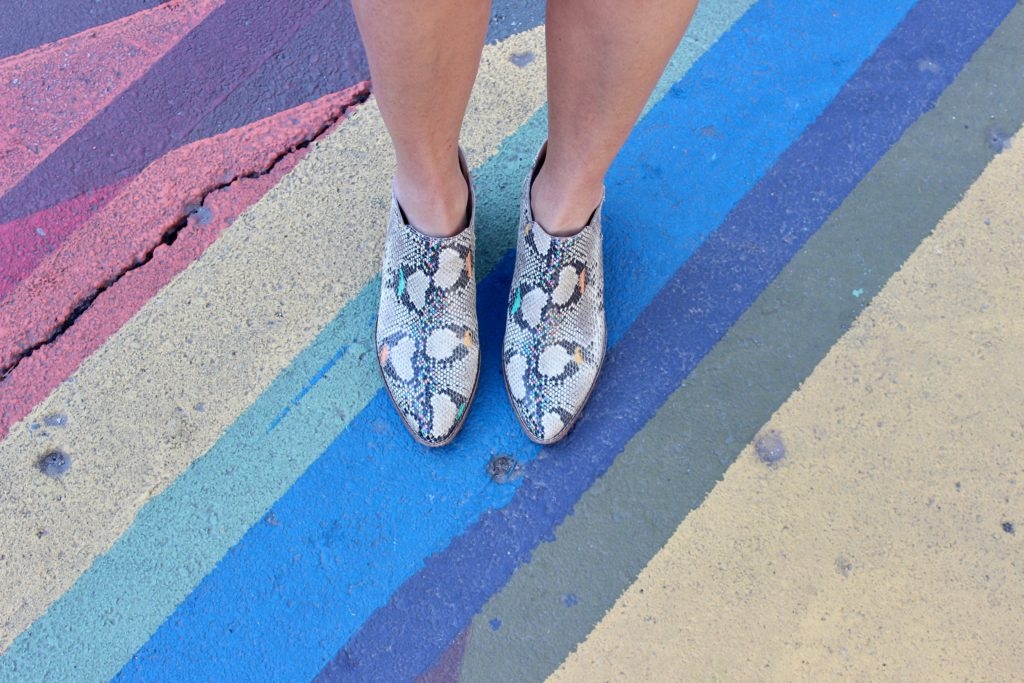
{"x":521,"y":59}
{"x":495,"y":624}
{"x":998,"y":141}
{"x":503,"y":469}
{"x":203,"y":215}
{"x":570,"y":600}
{"x":55,"y":463}
{"x":769,"y":447}
{"x":1009,"y":528}
{"x":56,"y":420}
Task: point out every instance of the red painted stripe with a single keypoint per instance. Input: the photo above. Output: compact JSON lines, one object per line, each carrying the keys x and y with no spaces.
{"x":49,"y":93}
{"x":25,"y":242}
{"x":129,"y":226}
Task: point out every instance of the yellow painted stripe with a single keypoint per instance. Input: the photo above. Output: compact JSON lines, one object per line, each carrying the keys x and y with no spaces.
{"x":887,"y":543}
{"x":217,"y":335}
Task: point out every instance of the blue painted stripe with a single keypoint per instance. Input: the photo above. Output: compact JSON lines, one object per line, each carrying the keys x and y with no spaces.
{"x":683,"y":322}
{"x":361,"y":519}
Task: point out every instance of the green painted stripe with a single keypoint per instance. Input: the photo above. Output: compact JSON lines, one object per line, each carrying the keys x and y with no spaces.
{"x":666,"y":471}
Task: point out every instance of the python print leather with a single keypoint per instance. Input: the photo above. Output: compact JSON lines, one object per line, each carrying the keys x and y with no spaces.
{"x":555,"y":333}
{"x":427,"y":340}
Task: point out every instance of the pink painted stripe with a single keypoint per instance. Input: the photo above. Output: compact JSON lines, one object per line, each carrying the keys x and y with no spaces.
{"x":25,"y":242}
{"x":129,"y":226}
{"x":49,"y":93}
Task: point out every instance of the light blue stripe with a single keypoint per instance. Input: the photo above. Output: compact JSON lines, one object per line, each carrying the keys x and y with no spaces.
{"x":362,"y":519}
{"x":179,"y":536}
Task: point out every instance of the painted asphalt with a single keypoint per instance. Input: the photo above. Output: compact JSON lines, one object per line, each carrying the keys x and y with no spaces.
{"x":802,"y":460}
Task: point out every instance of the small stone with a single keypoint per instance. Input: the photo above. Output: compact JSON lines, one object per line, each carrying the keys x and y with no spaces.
{"x":1009,"y":528}
{"x":55,"y":464}
{"x":503,"y":469}
{"x":769,"y":447}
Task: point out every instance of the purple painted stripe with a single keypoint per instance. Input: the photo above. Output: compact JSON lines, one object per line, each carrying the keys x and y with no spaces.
{"x":703,"y":299}
{"x":25,"y":24}
{"x":160,"y":111}
{"x":327,"y":55}
{"x":324,"y":56}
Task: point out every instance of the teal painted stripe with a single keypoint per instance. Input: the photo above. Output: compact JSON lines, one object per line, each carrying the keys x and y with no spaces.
{"x":366,"y":514}
{"x":179,"y":536}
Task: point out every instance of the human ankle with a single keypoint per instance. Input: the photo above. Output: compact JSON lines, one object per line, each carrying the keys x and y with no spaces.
{"x":436,"y":207}
{"x":563,"y":208}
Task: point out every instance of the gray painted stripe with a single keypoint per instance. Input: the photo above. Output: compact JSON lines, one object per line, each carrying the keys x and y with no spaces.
{"x":666,"y":471}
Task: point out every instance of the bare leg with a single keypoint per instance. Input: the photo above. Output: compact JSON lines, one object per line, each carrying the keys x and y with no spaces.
{"x":423,"y":59}
{"x":604,"y":59}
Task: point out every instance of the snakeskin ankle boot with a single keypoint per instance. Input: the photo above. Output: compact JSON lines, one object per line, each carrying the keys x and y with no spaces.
{"x":554,"y":329}
{"x":428,"y":347}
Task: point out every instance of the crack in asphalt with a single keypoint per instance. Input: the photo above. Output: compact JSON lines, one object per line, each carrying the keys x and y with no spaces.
{"x":170,"y":235}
